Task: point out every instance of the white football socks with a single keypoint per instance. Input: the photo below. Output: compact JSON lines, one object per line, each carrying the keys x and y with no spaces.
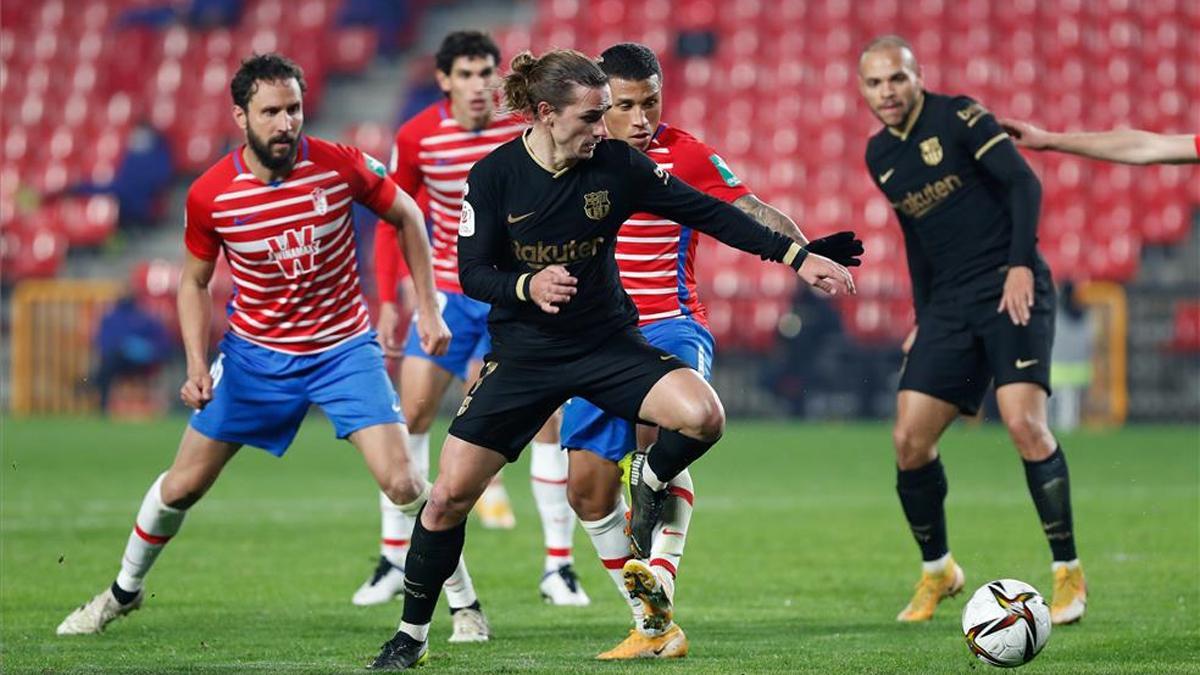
{"x":460,"y":590}
{"x":548,"y":476}
{"x":935,"y":566}
{"x":156,"y":523}
{"x":396,"y":527}
{"x":613,"y":544}
{"x":666,"y":548}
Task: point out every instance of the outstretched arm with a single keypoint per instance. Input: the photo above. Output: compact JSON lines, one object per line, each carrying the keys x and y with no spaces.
{"x":1128,"y":146}
{"x":414,"y":242}
{"x":770,"y":216}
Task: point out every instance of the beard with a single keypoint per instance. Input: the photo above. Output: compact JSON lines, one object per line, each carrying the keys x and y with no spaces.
{"x":262,"y":150}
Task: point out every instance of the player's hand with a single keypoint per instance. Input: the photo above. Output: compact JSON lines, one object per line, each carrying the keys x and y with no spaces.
{"x":386,"y":326}
{"x":1026,"y":135}
{"x":551,"y":287}
{"x":823,"y":273}
{"x":843,"y":248}
{"x":434,"y":333}
{"x":196,"y":391}
{"x":1018,"y":295}
{"x":906,"y":346}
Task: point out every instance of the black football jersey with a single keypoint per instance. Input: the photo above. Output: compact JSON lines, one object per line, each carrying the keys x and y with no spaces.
{"x":519,"y":216}
{"x":949,"y":175}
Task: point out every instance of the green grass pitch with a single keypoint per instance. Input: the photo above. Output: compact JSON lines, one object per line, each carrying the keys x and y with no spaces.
{"x":798,"y":558}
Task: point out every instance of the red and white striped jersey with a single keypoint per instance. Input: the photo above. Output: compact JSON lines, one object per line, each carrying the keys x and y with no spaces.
{"x":433,"y":154}
{"x":656,"y":257}
{"x":290,"y":244}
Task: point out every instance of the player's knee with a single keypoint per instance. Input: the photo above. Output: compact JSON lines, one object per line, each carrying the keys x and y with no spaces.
{"x":590,"y":502}
{"x":182,"y":490}
{"x":401,"y":490}
{"x":705,"y":420}
{"x":913,"y":450}
{"x":1031,"y":436}
{"x":420,"y":419}
{"x":448,"y":505}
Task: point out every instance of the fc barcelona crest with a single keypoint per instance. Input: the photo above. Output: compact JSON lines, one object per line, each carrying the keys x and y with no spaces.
{"x":931,"y":151}
{"x":320,"y":203}
{"x":596,"y":204}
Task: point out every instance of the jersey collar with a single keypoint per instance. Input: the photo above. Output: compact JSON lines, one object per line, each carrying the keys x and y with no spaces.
{"x":912,"y":119}
{"x":553,"y":173}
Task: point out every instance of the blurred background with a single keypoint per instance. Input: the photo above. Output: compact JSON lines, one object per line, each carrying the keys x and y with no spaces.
{"x":111,"y":107}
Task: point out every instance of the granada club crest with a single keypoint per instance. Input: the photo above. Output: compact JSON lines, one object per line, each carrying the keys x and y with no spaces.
{"x":931,"y":151}
{"x":320,"y":202}
{"x":295,"y":251}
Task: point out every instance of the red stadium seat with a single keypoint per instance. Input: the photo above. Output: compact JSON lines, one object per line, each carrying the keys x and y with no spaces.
{"x":1185,"y":335}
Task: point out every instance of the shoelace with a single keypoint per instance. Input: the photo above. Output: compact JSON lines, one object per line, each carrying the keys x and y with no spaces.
{"x":568,"y":575}
{"x":381,"y":570}
{"x":398,"y":642}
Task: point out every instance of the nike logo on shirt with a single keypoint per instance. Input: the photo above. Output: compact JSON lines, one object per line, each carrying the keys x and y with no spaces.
{"x":516,"y":219}
{"x":883,"y":177}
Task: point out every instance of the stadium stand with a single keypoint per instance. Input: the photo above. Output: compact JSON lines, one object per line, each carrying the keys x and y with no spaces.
{"x":770,"y":84}
{"x":778,"y":98}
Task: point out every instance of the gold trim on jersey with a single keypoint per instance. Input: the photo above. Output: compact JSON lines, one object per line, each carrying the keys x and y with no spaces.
{"x":988,"y":146}
{"x":912,"y":119}
{"x":534,"y":157}
{"x":792,"y":252}
{"x":521,"y":286}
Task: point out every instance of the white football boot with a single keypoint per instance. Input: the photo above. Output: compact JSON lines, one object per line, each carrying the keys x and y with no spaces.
{"x":91,"y":618}
{"x":561,"y":587}
{"x":385,"y":583}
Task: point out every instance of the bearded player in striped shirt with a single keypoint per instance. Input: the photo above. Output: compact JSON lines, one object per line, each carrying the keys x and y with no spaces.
{"x":299,"y":334}
{"x":655,"y":258}
{"x":431,"y":157}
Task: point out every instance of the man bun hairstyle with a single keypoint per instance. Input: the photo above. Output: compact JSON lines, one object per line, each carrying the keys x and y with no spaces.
{"x":269,"y":67}
{"x":469,"y":43}
{"x":630,"y":61}
{"x":548,"y":78}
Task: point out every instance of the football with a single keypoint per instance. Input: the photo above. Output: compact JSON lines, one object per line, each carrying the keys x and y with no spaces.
{"x":1006,"y":623}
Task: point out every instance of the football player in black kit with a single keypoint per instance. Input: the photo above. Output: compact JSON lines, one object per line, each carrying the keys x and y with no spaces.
{"x":539,"y":222}
{"x":968,"y":205}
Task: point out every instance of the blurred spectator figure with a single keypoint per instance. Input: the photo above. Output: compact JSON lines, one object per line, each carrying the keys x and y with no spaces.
{"x":131,"y":341}
{"x":214,"y":13}
{"x":1071,"y":369}
{"x":811,"y":344}
{"x":141,"y":179}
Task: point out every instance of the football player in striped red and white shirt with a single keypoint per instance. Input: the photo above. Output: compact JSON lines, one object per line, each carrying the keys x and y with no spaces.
{"x":431,"y":157}
{"x":279,"y":208}
{"x":655,"y":258}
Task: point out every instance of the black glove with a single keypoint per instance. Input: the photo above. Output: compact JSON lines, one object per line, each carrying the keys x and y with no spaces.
{"x":842,"y":248}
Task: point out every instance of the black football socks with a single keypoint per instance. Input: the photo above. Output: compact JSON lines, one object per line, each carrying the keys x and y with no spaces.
{"x":432,"y":557}
{"x":922,"y":495}
{"x":1050,"y":486}
{"x":673,"y":452}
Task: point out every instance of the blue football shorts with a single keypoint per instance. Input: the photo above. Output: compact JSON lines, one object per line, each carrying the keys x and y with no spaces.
{"x":587,"y":427}
{"x":469,"y":342}
{"x":261,"y":396}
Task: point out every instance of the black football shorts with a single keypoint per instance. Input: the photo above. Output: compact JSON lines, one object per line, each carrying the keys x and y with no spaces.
{"x":960,"y":349}
{"x":512,"y":399}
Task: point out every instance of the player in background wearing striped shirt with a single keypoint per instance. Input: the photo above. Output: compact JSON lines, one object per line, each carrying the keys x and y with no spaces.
{"x":279,"y":207}
{"x":431,"y":157}
{"x":1127,"y":146}
{"x":655,"y":257}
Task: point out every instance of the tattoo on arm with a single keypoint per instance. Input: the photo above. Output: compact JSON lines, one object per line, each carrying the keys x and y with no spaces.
{"x":771,"y":217}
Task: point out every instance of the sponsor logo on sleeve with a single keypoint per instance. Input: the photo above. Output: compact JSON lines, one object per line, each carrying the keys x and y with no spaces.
{"x":727,"y":174}
{"x":374,"y":166}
